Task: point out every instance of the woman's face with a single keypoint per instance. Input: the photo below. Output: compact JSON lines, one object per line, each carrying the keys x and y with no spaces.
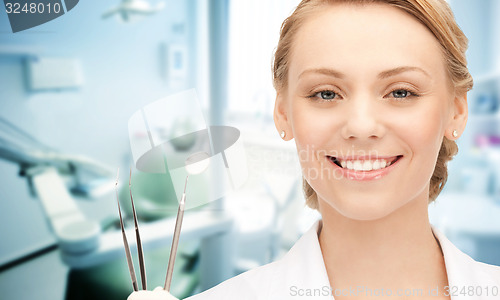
{"x":368,"y":103}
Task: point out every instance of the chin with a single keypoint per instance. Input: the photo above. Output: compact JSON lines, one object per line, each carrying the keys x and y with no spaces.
{"x":361,"y":208}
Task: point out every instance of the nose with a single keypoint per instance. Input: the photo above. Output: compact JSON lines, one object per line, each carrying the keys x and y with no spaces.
{"x":362,"y":119}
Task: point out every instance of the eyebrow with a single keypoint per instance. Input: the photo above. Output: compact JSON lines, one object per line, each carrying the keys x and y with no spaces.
{"x":399,"y":70}
{"x":382,"y":75}
{"x":324,"y":71}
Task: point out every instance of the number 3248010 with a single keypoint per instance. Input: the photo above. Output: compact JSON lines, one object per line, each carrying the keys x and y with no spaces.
{"x":471,"y":291}
{"x":32,"y":8}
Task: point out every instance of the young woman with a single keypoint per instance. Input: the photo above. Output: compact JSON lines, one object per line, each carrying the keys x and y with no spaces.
{"x":374,"y":93}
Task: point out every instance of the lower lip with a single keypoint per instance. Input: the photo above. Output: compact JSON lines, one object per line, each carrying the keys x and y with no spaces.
{"x":365,"y":175}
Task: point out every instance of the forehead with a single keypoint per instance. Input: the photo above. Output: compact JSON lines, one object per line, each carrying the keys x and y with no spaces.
{"x":363,"y":39}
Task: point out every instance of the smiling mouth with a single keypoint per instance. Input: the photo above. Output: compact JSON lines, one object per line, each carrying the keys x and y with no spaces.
{"x":368,"y":164}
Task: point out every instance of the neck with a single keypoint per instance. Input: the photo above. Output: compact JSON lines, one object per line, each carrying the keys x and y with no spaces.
{"x":396,"y":251}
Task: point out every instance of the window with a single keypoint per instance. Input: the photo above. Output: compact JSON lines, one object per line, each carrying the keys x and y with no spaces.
{"x":253,"y":35}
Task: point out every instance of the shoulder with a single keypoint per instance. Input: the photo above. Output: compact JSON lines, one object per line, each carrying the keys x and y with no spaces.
{"x":463,"y":270}
{"x":253,"y":284}
{"x":488,"y":270}
{"x":479,"y":280}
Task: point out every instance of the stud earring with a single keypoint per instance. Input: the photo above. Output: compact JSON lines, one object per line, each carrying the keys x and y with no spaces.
{"x":283,"y":134}
{"x":455,"y":133}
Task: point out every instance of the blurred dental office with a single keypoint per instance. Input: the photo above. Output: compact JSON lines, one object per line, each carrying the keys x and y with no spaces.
{"x":68,"y":88}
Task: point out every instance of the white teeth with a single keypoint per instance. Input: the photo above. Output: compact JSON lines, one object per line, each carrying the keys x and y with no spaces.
{"x":343,"y":164}
{"x":383,"y":164}
{"x":365,"y":165}
{"x":357,"y":166}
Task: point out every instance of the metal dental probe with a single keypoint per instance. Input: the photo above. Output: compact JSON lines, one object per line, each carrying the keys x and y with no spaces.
{"x":175,"y":239}
{"x":140,"y":252}
{"x":125,"y":242}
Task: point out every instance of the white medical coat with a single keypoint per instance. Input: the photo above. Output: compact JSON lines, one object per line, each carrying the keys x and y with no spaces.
{"x":301,"y":274}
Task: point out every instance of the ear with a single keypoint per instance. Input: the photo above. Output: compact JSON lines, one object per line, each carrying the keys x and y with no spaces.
{"x":459,"y":117}
{"x":281,"y":116}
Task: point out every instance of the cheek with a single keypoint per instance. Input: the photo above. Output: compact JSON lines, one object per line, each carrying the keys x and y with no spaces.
{"x":423,"y":128}
{"x":313,"y":128}
{"x":316,"y":132}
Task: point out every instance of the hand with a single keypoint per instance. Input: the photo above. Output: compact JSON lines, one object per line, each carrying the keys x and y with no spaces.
{"x":157,"y":294}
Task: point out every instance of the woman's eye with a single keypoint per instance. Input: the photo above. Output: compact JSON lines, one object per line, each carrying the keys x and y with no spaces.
{"x":326,"y":95}
{"x":401,"y":93}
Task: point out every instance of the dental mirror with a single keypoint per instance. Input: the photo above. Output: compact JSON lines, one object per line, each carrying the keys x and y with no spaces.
{"x":197,"y":163}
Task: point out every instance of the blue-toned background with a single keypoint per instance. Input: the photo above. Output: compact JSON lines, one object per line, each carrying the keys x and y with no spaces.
{"x":92,"y":73}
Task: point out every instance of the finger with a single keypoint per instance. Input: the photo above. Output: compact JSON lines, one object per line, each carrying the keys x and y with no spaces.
{"x":141,"y":295}
{"x":134,"y":296}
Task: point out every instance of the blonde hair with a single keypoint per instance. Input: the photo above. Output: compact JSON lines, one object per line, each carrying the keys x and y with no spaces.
{"x":437,"y":16}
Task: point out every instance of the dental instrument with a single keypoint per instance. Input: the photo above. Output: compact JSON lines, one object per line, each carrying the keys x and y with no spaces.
{"x":125,"y":242}
{"x":140,"y":252}
{"x":195,"y":164}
